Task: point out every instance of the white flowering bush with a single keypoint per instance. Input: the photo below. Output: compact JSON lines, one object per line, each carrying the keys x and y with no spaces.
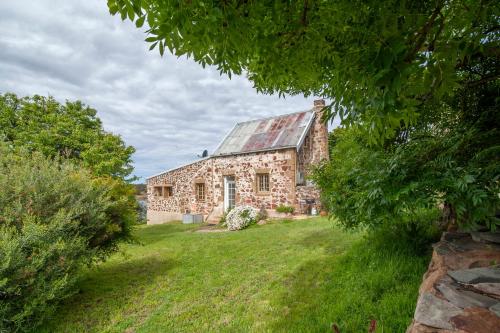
{"x":241,"y":217}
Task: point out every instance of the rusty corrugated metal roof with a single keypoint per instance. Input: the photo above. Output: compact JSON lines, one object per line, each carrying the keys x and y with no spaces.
{"x":265,"y":134}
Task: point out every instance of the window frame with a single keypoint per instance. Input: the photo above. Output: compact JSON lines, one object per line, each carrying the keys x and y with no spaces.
{"x":158,"y":191}
{"x":197,"y":187}
{"x":170,"y":191}
{"x":261,"y":181}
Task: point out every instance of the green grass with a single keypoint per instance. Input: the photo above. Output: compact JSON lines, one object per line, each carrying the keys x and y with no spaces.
{"x":294,"y":276}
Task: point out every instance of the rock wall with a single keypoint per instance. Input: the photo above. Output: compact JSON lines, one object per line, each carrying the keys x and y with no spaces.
{"x":460,"y":291}
{"x":314,"y":149}
{"x":279,"y":164}
{"x":305,"y":194}
{"x":183,"y":180}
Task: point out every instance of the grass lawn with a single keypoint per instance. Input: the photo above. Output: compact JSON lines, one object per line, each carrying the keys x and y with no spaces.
{"x":296,"y":276}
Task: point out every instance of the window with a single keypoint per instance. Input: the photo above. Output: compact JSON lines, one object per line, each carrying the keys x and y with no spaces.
{"x":167,"y":191}
{"x":229,"y":193}
{"x":162,"y":191}
{"x":200,"y":191}
{"x":158,"y":191}
{"x":306,"y":142}
{"x":263,"y":182}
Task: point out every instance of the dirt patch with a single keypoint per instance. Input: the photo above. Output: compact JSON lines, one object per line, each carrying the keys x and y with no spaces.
{"x":210,"y":228}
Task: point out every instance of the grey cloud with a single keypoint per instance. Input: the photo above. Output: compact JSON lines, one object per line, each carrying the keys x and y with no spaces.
{"x":169,"y":108}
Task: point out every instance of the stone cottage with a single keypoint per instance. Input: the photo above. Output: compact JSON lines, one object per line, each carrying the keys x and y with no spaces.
{"x":262,"y":163}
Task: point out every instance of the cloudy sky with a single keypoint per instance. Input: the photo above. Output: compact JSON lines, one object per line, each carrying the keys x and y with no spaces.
{"x":169,"y":108}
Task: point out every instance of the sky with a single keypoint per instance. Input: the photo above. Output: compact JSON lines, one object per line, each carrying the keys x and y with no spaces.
{"x":170,"y":109}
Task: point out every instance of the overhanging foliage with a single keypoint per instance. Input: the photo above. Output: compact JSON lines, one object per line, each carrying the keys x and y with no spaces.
{"x":378,"y":60}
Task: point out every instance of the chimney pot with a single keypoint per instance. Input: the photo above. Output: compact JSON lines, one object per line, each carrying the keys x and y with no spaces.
{"x":319,"y":103}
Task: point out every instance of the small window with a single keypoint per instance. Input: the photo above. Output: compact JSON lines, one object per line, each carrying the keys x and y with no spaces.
{"x":158,"y":191}
{"x":200,"y":191}
{"x":167,"y":191}
{"x":263,"y":182}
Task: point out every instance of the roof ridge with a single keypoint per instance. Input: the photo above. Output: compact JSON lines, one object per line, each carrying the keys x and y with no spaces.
{"x":274,"y":117}
{"x":180,"y":166}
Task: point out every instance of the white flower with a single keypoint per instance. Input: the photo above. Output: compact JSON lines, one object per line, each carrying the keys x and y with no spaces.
{"x":241,"y":217}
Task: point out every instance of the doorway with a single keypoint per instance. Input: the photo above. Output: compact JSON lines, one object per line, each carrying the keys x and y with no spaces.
{"x":229,"y":193}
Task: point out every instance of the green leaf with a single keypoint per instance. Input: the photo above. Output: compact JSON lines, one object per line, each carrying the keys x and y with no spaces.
{"x":153,"y":46}
{"x":113,"y":7}
{"x":140,"y":21}
{"x":162,"y":48}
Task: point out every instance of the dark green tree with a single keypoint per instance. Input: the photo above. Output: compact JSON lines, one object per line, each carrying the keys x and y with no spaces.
{"x":70,"y":130}
{"x":380,"y":61}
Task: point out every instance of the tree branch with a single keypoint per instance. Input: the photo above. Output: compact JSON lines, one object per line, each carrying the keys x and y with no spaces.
{"x":441,"y":27}
{"x":424,"y":31}
{"x":304,"y":13}
{"x":483,"y":80}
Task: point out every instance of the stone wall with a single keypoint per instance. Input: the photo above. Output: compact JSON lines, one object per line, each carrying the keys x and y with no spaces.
{"x":319,"y":134}
{"x":305,"y":194}
{"x":280,"y":164}
{"x":460,"y":292}
{"x":182,"y":180}
{"x":315,"y":146}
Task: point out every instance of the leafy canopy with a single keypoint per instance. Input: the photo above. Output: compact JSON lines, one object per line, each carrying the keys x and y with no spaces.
{"x":379,"y":61}
{"x":71,"y":130}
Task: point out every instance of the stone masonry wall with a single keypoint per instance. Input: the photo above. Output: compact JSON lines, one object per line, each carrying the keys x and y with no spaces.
{"x":280,"y":164}
{"x":304,"y":193}
{"x":183,"y":182}
{"x":315,"y":146}
{"x":460,"y":292}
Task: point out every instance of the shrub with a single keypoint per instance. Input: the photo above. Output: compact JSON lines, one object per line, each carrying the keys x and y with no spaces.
{"x":54,"y":219}
{"x":458,"y":168}
{"x":241,"y":217}
{"x":285,"y":209}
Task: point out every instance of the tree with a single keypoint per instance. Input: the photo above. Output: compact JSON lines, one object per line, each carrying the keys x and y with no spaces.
{"x":71,"y":130}
{"x":380,"y":61}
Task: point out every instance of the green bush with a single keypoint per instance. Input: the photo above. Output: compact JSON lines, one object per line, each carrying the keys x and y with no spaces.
{"x":285,"y":209}
{"x":54,"y":219}
{"x":456,"y":168}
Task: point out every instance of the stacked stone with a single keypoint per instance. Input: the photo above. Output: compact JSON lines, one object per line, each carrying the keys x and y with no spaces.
{"x":461,"y":289}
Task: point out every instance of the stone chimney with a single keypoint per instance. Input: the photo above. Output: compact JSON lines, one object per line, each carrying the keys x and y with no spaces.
{"x":319,"y":133}
{"x":319,"y":103}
